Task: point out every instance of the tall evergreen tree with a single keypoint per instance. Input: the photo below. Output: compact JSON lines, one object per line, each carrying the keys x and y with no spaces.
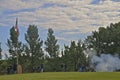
{"x":34,"y":45}
{"x":73,"y":55}
{"x":15,"y":46}
{"x":80,"y":56}
{"x":51,"y":44}
{"x":0,"y":51}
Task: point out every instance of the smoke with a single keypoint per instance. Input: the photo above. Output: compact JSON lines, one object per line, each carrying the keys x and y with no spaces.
{"x":105,"y":63}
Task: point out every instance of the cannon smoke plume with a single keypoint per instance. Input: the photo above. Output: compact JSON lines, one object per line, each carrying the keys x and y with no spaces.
{"x":104,"y":62}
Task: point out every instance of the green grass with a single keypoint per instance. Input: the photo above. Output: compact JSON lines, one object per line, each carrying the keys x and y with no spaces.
{"x":64,"y":76}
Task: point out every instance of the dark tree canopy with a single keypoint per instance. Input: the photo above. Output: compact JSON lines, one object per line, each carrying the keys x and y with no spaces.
{"x":34,"y":44}
{"x":51,"y":44}
{"x":74,"y":55}
{"x":106,"y":40}
{"x":0,"y":51}
{"x":15,"y":46}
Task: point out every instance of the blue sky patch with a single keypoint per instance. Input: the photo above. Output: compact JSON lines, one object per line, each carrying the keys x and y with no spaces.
{"x":116,"y":0}
{"x":75,"y":19}
{"x":95,"y":2}
{"x":47,"y":5}
{"x":17,"y":11}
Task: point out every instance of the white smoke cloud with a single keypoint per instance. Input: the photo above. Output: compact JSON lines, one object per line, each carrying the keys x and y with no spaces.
{"x":105,"y":63}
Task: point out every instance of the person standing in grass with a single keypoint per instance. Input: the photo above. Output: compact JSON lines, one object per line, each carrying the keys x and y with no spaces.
{"x":42,"y":67}
{"x":8,"y":70}
{"x":15,"y":68}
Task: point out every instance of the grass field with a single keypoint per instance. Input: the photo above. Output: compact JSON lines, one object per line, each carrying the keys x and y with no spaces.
{"x":64,"y":76}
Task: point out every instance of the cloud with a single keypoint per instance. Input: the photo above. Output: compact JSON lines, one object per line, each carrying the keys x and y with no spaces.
{"x":70,"y":19}
{"x":20,"y":4}
{"x":63,"y":39}
{"x":116,"y":0}
{"x":81,"y":15}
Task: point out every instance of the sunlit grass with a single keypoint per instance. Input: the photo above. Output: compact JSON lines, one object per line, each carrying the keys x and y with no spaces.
{"x":64,"y":76}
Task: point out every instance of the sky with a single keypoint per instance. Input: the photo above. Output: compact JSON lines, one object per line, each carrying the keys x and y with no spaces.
{"x":70,"y":19}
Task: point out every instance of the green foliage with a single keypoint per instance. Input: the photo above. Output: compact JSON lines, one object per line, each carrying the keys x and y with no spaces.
{"x":34,"y":47}
{"x":0,"y":56}
{"x":53,"y":64}
{"x":15,"y":47}
{"x":106,"y":40}
{"x":3,"y":66}
{"x":0,"y":52}
{"x":51,"y":44}
{"x":73,"y":56}
{"x":14,"y":36}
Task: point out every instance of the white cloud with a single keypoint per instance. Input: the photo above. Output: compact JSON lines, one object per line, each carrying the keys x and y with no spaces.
{"x":19,"y":4}
{"x":77,"y":14}
{"x":63,"y":39}
{"x":71,"y":19}
{"x":71,"y":33}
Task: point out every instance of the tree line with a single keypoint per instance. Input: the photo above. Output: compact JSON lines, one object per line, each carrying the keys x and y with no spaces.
{"x":106,"y":40}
